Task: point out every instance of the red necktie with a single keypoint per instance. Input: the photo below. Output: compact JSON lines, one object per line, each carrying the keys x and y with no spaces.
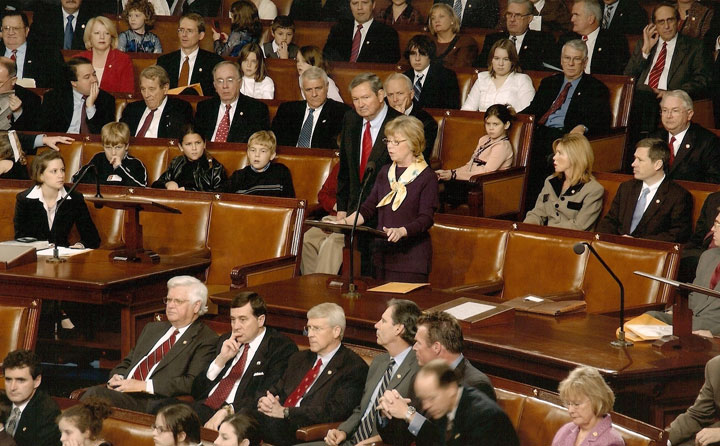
{"x":146,"y":124}
{"x":84,"y":129}
{"x":715,"y":277}
{"x":224,"y":126}
{"x":218,"y":397}
{"x":184,"y":78}
{"x":366,"y":149}
{"x":657,"y":70}
{"x":671,"y":146}
{"x":559,"y":101}
{"x":143,"y":370}
{"x":13,"y":56}
{"x":355,"y":51}
{"x":584,"y":38}
{"x":304,"y":385}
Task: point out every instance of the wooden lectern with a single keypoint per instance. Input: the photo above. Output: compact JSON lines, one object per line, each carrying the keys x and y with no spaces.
{"x":132,"y":230}
{"x":14,"y":255}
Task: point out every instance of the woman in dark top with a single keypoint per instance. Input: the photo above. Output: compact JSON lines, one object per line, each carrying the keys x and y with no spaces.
{"x":80,"y":425}
{"x":404,"y":198}
{"x":42,"y":211}
{"x":13,"y":165}
{"x":195,"y":169}
{"x":400,"y":12}
{"x":453,"y":50}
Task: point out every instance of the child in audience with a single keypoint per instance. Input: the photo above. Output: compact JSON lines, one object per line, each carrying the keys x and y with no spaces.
{"x":255,"y":81}
{"x":261,"y":176}
{"x":161,"y":6}
{"x":140,"y":17}
{"x":80,"y":425}
{"x":176,"y":425}
{"x":281,"y":47}
{"x":246,"y":28}
{"x":195,"y":169}
{"x":311,"y":56}
{"x":114,"y":166}
{"x":238,"y":430}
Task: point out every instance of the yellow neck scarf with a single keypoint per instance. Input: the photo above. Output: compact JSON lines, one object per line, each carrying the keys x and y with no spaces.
{"x":397,"y":187}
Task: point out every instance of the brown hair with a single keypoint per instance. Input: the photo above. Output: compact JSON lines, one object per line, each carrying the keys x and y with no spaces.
{"x":442,"y":327}
{"x":507,"y":45}
{"x":253,"y":47}
{"x":40,"y":163}
{"x":256,"y":302}
{"x":115,"y":133}
{"x":181,"y":418}
{"x":156,"y":72}
{"x":586,"y":380}
{"x":245,"y":427}
{"x":88,"y":415}
{"x":145,"y":7}
{"x":313,"y":56}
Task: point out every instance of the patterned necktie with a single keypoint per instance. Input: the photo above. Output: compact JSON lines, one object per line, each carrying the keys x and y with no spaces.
{"x":146,"y":124}
{"x":656,"y":72}
{"x":639,"y":209}
{"x":417,"y":87}
{"x":218,"y":397}
{"x":584,"y":38}
{"x":513,"y":39}
{"x":369,"y":421}
{"x":12,"y":421}
{"x":366,"y":149}
{"x":84,"y":129}
{"x":143,"y":370}
{"x":68,"y":37}
{"x":457,"y":7}
{"x":559,"y":101}
{"x":304,"y":385}
{"x":13,"y":56}
{"x":224,"y":127}
{"x":184,"y":78}
{"x":178,"y":8}
{"x":607,"y":16}
{"x":671,"y":146}
{"x":306,"y":131}
{"x":355,"y":51}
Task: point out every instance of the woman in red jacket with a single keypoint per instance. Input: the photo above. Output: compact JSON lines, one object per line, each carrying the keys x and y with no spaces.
{"x":113,"y":67}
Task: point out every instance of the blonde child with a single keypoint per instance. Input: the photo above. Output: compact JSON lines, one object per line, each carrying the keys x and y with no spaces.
{"x":261,"y":176}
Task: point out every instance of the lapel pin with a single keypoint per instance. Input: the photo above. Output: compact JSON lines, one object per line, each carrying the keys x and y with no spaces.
{"x":457,"y":436}
{"x":657,"y":201}
{"x":83,"y":26}
{"x":687,"y":146}
{"x":324,"y":121}
{"x":579,"y":93}
{"x":241,"y":113}
{"x":469,"y":6}
{"x":399,"y":376}
{"x":184,"y":342}
{"x":109,"y":66}
{"x":329,"y":372}
{"x":257,"y":363}
{"x":200,"y":69}
{"x":599,"y":49}
{"x":29,"y":61}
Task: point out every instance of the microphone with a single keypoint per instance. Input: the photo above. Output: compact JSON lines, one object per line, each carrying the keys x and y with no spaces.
{"x":579,"y":248}
{"x":369,"y":169}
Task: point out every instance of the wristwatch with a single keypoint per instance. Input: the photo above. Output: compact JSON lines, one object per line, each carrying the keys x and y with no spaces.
{"x":229,"y":409}
{"x":409,"y":414}
{"x":286,"y":413}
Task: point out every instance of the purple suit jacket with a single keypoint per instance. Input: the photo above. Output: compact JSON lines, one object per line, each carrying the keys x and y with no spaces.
{"x":602,"y":435}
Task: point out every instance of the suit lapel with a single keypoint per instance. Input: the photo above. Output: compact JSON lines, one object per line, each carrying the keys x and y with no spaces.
{"x":403,"y":370}
{"x":321,"y":125}
{"x":684,"y":149}
{"x":256,"y":365}
{"x":197,"y":68}
{"x":179,"y":346}
{"x":678,"y":58}
{"x":330,"y":371}
{"x":656,"y":203}
{"x":357,"y":131}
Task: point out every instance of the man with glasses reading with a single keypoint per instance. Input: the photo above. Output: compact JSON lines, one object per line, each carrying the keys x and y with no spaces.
{"x":167,"y":356}
{"x":23,"y":103}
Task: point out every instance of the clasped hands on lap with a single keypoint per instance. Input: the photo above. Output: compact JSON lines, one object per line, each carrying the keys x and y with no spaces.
{"x":120,"y":384}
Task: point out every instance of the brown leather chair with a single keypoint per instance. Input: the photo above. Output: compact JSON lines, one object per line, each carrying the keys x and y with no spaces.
{"x":18,"y":323}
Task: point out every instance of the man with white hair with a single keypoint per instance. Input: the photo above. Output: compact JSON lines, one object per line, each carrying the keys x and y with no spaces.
{"x":167,"y":356}
{"x":400,"y":96}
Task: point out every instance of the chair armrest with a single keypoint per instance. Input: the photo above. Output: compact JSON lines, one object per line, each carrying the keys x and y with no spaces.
{"x":484,"y":287}
{"x":315,"y":432}
{"x":479,"y":179}
{"x":78,"y":393}
{"x":565,"y":295}
{"x":497,"y":193}
{"x":256,"y":273}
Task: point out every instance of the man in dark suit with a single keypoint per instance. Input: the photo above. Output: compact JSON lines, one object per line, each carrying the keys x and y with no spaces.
{"x":533,"y":47}
{"x":249,"y":359}
{"x":157,"y":115}
{"x":35,"y":60}
{"x":475,"y":13}
{"x":32,"y":418}
{"x":320,"y":10}
{"x":434,"y":86}
{"x":453,"y":414}
{"x":552,"y":15}
{"x":167,"y":356}
{"x":231,"y":116}
{"x":191,"y":64}
{"x":315,"y":122}
{"x":361,"y":142}
{"x":400,"y":95}
{"x":320,"y":385}
{"x":652,"y":205}
{"x":362,"y":40}
{"x":608,"y":52}
{"x":205,"y":8}
{"x":24,"y":104}
{"x":63,"y":27}
{"x":583,"y":108}
{"x":624,"y":16}
{"x":81,"y":107}
{"x":696,"y":151}
{"x":665,"y":60}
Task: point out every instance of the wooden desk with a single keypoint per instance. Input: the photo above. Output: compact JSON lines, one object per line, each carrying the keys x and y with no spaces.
{"x":650,"y":385}
{"x":92,"y":278}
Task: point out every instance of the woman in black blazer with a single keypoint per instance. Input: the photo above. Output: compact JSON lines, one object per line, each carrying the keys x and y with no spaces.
{"x":36,"y":209}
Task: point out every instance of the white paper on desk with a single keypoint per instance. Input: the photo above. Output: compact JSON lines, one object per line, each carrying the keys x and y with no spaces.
{"x":651,"y":331}
{"x":63,"y":252}
{"x":38,"y":245}
{"x":468,"y":309}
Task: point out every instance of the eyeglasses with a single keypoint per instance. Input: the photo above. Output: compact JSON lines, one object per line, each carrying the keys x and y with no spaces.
{"x":574,"y":60}
{"x":161,"y":429}
{"x":12,"y":28}
{"x":114,"y":148}
{"x":668,"y":21}
{"x":312,"y":328}
{"x":186,"y":31}
{"x":511,"y":15}
{"x":229,"y":80}
{"x":570,"y":404}
{"x":167,"y":301}
{"x":393,"y":142}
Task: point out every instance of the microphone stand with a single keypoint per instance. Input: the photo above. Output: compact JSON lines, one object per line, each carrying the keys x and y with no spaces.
{"x":579,"y":248}
{"x":352,"y":292}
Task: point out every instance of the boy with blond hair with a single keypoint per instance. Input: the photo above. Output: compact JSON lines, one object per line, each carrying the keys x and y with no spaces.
{"x":261,"y":176}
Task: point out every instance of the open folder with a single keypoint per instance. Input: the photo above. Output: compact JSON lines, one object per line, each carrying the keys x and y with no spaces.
{"x":646,"y":328}
{"x":541,"y":305}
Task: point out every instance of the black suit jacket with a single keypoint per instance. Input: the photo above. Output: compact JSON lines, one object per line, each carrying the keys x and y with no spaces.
{"x":175,"y":115}
{"x":267,"y":367}
{"x":37,"y":423}
{"x":431,"y":128}
{"x":201,"y":73}
{"x":349,"y":181}
{"x":311,"y":10}
{"x":698,"y":157}
{"x":48,"y":27}
{"x":31,"y":220}
{"x":29,"y":119}
{"x":57,"y":110}
{"x":537,"y":47}
{"x":332,"y":397}
{"x":629,"y":18}
{"x":440,"y":88}
{"x":380,"y":44}
{"x":478,"y":13}
{"x":206,"y":8}
{"x":288,"y":122}
{"x":610,"y":55}
{"x":472,"y":377}
{"x":589,"y":106}
{"x":666,"y":218}
{"x":44,"y":63}
{"x":249,"y":117}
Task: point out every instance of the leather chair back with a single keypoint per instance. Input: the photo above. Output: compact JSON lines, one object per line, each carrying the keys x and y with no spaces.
{"x":285,"y":76}
{"x":73,"y":156}
{"x":18,"y":324}
{"x":7,"y":212}
{"x":308,"y":173}
{"x":232,"y":159}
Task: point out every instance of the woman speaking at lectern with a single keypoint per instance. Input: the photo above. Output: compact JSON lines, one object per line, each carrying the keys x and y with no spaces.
{"x":37,"y":213}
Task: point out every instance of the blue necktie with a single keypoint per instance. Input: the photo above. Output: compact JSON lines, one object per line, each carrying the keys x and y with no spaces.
{"x":639,"y":209}
{"x":457,"y":7}
{"x":417,"y":87}
{"x":306,"y":131}
{"x":67,"y":42}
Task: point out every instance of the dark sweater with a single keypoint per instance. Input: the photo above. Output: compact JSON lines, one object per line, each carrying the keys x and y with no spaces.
{"x":130,"y":172}
{"x":276,"y":181}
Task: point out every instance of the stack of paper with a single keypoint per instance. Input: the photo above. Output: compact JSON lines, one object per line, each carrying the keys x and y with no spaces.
{"x":646,"y":328}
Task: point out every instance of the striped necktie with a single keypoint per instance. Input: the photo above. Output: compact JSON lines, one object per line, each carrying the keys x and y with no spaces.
{"x":369,"y":421}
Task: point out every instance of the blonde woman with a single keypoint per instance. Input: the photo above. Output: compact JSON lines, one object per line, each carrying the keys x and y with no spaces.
{"x":453,"y":50}
{"x":113,"y":68}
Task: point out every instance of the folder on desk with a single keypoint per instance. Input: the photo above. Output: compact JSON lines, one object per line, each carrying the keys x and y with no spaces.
{"x":645,"y":328}
{"x":540,"y":305}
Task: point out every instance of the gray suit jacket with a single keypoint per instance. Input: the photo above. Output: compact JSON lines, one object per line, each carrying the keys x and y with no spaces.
{"x":706,"y":309}
{"x":704,"y":411}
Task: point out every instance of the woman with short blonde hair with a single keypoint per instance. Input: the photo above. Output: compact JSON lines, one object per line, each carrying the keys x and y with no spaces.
{"x":113,"y":68}
{"x":453,"y":49}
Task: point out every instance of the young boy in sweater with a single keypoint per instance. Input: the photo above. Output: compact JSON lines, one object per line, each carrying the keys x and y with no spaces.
{"x":261,"y":176}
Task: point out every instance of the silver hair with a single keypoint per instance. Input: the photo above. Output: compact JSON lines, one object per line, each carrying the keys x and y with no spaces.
{"x":577,"y":45}
{"x":227,"y":62}
{"x":592,"y":7}
{"x":372,"y":78}
{"x":527,"y":3}
{"x":402,"y":77}
{"x":313,"y":73}
{"x":680,"y":94}
{"x":197,"y":291}
{"x":330,"y":311}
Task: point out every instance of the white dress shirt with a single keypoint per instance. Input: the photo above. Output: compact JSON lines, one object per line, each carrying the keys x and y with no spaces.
{"x":152,"y":131}
{"x":316,"y":116}
{"x":77,"y":109}
{"x":149,"y":382}
{"x":221,"y":113}
{"x":662,"y":83}
{"x":590,"y":43}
